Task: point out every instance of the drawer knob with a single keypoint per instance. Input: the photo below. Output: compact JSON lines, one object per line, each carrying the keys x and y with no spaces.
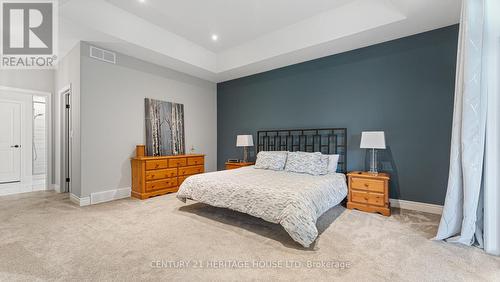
{"x":366,"y":185}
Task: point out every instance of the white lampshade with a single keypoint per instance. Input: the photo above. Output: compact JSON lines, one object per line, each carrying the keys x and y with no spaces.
{"x":244,"y":141}
{"x":372,"y":140}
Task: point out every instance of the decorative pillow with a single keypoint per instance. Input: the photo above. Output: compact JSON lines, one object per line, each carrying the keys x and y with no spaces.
{"x":310,"y":163}
{"x":273,"y":160}
{"x":333,"y":161}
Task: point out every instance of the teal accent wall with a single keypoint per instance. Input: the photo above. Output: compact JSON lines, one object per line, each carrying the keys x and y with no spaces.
{"x":404,"y":87}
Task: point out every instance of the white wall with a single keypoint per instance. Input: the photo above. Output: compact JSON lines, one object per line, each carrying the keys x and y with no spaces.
{"x":38,"y":80}
{"x":112,"y":116}
{"x":68,"y":73}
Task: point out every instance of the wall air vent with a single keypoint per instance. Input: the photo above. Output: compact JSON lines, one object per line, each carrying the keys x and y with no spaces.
{"x":102,"y":55}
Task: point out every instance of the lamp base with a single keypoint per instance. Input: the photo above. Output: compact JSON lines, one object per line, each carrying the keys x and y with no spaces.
{"x":373,"y":164}
{"x":245,"y":154}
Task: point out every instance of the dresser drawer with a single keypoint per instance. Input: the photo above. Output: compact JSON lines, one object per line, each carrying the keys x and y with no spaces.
{"x":190,"y":170}
{"x":196,"y":161}
{"x":160,"y":174}
{"x":181,"y":179}
{"x":156,"y":164}
{"x":160,"y":184}
{"x":177,"y":162}
{"x":368,"y":184}
{"x":367,"y":198}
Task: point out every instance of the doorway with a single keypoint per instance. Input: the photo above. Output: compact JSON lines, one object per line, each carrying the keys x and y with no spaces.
{"x":24,"y":141}
{"x":39,"y":141}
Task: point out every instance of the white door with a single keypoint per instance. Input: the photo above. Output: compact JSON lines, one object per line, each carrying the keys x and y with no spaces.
{"x":10,"y":141}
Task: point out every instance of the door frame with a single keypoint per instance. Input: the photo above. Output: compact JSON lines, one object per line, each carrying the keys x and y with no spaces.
{"x":48,"y":123}
{"x":66,"y":128}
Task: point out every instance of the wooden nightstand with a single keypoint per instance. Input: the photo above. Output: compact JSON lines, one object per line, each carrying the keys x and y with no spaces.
{"x":237,"y":165}
{"x":369,"y":192}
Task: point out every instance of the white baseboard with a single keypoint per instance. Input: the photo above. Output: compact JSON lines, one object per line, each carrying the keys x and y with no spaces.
{"x":24,"y":186}
{"x":101,"y":197}
{"x":56,"y":187}
{"x":416,"y":206}
{"x":85,"y":201}
{"x":110,"y":195}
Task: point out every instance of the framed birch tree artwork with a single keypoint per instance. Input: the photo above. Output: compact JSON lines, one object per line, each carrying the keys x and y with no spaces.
{"x":164,"y":128}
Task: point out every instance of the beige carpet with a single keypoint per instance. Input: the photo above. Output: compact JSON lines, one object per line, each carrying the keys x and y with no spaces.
{"x":45,"y":237}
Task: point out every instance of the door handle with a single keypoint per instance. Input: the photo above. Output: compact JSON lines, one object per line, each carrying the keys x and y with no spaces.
{"x":16,"y":146}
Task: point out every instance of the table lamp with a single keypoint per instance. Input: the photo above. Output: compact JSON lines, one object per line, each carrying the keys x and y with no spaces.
{"x":373,"y":140}
{"x":244,"y":141}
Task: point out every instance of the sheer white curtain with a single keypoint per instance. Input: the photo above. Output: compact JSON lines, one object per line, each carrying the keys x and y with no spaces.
{"x":471,"y":211}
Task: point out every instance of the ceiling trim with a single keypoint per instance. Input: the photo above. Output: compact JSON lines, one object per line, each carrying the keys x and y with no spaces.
{"x":352,"y":25}
{"x":124,"y":26}
{"x":347,"y":20}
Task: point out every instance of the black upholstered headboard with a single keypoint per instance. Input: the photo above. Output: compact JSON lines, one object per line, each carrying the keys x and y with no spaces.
{"x":325,"y":140}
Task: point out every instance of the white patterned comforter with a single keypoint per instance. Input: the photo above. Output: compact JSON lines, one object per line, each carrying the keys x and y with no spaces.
{"x":293,"y":200}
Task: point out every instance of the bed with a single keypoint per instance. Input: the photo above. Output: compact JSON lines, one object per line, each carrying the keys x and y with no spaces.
{"x":293,"y":200}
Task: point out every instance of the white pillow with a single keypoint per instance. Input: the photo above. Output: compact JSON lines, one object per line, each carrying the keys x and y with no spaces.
{"x":310,"y":163}
{"x":333,"y":161}
{"x":273,"y":160}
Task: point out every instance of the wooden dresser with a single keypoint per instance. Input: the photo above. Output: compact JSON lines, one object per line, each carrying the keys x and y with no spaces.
{"x":153,"y":176}
{"x":369,"y":192}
